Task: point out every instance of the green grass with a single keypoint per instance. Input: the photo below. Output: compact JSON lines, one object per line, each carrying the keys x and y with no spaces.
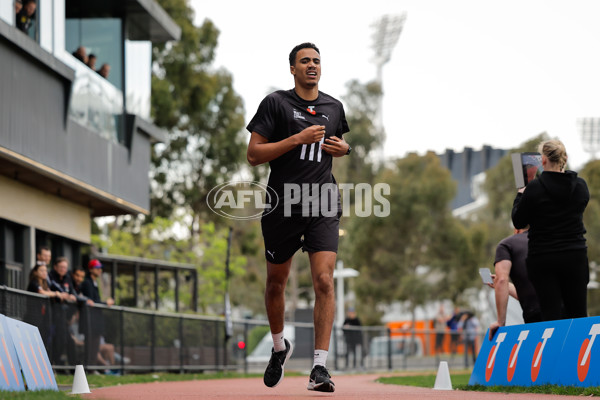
{"x":460,"y":381}
{"x":65,"y":382}
{"x":425,"y":380}
{"x":111,"y":380}
{"x":40,"y":394}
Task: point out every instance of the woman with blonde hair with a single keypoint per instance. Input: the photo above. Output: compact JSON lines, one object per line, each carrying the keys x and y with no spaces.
{"x":557,"y":262}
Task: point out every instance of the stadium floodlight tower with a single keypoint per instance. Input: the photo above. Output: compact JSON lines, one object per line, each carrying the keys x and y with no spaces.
{"x":589,"y":129}
{"x":387,"y":33}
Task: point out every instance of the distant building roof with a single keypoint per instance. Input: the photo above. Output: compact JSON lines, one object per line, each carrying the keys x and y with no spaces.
{"x":465,"y":165}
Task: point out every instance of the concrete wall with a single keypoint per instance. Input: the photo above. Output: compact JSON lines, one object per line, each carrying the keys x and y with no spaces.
{"x":30,"y":207}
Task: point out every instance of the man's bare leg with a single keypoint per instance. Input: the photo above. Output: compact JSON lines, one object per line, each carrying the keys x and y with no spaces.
{"x":277,"y":276}
{"x":322,"y":264}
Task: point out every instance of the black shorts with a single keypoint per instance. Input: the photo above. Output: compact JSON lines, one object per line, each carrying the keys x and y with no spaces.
{"x":283,"y":236}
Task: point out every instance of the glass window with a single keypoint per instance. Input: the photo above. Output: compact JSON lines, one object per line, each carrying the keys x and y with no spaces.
{"x":97,"y":98}
{"x":101,"y":37}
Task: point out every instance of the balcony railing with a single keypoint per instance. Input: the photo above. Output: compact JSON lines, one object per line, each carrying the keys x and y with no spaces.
{"x":95,"y":102}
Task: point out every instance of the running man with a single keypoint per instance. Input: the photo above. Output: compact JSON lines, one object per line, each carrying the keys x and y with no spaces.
{"x":298,"y":132}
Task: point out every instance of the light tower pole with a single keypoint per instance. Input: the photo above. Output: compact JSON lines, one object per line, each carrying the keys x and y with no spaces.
{"x":590,"y":135}
{"x":385,"y":37}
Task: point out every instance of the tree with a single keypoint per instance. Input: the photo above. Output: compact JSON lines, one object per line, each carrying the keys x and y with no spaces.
{"x":360,"y":103}
{"x":391,"y":252}
{"x":591,"y":219}
{"x":203,"y":115}
{"x":460,"y":250}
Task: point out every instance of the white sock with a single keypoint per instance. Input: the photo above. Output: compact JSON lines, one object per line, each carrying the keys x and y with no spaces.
{"x":320,"y":358}
{"x":278,"y":342}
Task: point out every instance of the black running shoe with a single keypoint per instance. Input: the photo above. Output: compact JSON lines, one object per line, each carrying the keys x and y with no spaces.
{"x":274,"y":371}
{"x":320,"y":380}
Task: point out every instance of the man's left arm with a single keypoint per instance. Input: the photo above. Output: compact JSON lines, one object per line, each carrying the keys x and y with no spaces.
{"x":337,"y":147}
{"x":501,"y":289}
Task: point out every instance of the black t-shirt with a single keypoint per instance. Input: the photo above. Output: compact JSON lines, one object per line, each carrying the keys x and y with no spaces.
{"x":34,"y":286}
{"x":514,"y":249}
{"x":352,"y":336}
{"x":58,"y":284}
{"x":23,"y":21}
{"x":283,"y":114}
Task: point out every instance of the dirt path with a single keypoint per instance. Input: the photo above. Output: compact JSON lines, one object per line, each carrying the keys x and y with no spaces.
{"x":361,"y":387}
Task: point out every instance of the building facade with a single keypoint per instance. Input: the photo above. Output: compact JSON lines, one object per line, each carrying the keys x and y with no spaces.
{"x":74,"y":144}
{"x":468,"y":170}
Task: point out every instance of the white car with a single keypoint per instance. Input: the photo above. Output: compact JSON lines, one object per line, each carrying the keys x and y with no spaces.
{"x":262,"y":352}
{"x":379,"y":345}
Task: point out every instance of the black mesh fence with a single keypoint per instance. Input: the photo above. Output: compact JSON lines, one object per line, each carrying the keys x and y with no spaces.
{"x":120,"y":339}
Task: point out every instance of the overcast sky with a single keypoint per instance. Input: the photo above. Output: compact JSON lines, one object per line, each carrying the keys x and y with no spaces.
{"x":464,"y":73}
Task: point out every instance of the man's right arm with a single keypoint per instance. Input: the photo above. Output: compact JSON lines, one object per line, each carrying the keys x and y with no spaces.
{"x":502,"y":292}
{"x":261,"y":151}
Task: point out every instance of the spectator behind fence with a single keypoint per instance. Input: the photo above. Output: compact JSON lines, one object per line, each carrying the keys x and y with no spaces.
{"x":353,"y":338}
{"x":77,"y":277}
{"x":18,"y":6}
{"x":60,"y":280}
{"x":38,"y":281}
{"x":94,"y":324}
{"x":439,"y":325}
{"x":452,"y":324}
{"x":104,"y":70}
{"x":469,"y":326}
{"x":89,"y":287}
{"x":81,"y":54}
{"x":43,"y":256}
{"x":37,"y":310}
{"x":557,"y":263}
{"x":91,"y":61}
{"x":77,"y":339}
{"x":25,"y":15}
{"x":107,"y":356}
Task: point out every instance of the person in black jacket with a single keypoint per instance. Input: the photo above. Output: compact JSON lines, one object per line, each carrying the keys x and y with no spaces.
{"x":26,"y":15}
{"x":60,"y":282}
{"x":557,"y":262}
{"x":93,"y":320}
{"x":353,"y":338}
{"x":89,"y":287}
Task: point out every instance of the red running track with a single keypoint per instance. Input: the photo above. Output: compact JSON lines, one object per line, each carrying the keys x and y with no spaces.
{"x":361,"y":387}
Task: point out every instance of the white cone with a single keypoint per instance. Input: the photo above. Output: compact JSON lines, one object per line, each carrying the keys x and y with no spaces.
{"x":80,"y":384}
{"x":442,"y":380}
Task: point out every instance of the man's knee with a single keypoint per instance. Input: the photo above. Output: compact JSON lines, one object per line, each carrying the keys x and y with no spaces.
{"x":324,"y":284}
{"x":274,"y":287}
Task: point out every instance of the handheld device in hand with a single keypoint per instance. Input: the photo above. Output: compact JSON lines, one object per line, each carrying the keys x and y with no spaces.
{"x":486,"y":275}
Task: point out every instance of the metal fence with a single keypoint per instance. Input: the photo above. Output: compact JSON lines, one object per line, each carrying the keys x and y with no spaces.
{"x":134,"y":340}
